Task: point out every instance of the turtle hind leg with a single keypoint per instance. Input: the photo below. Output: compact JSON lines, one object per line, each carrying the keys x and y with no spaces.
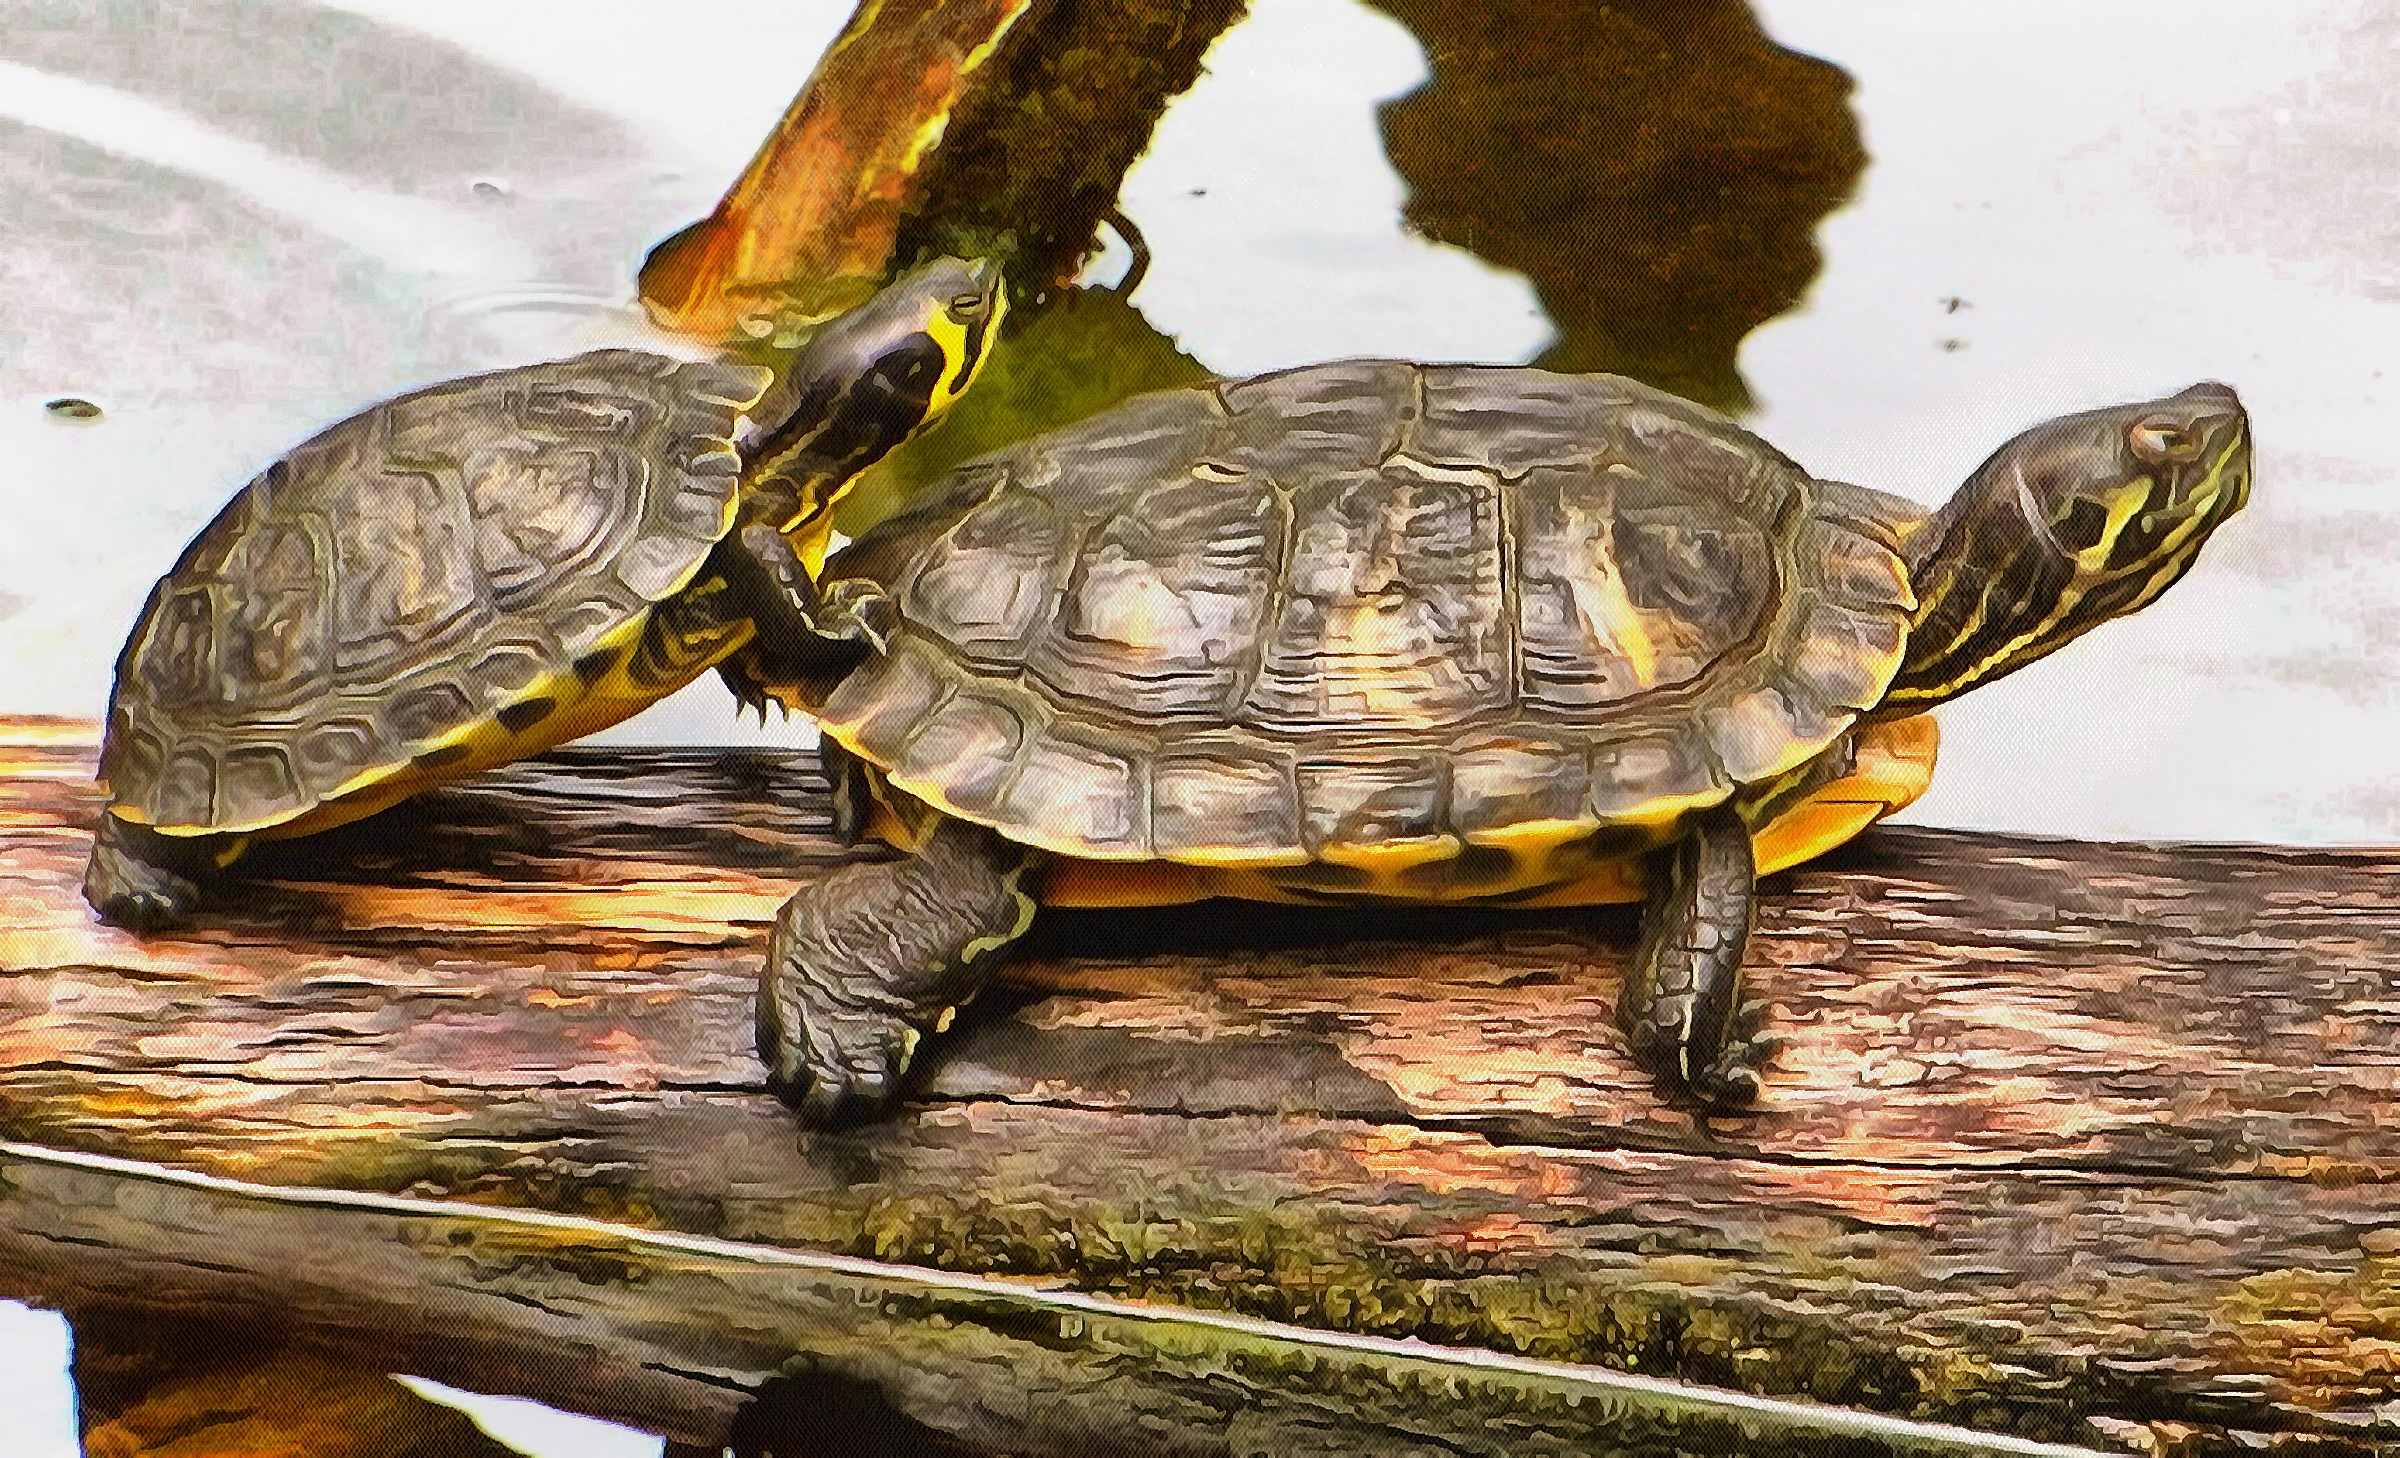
{"x":141,"y":880}
{"x":1681,"y":1006}
{"x":872,"y":959}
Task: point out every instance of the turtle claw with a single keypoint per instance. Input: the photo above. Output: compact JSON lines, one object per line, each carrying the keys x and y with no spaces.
{"x":749,"y":695}
{"x":1733,"y":1078}
{"x":1731,"y":1082}
{"x":839,"y":1070}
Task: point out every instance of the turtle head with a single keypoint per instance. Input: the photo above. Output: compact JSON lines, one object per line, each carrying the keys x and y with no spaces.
{"x":2079,"y":520}
{"x":869,"y":379}
{"x":909,"y":352}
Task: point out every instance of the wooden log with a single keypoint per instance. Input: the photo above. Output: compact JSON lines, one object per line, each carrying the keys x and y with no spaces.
{"x":2080,"y":1143}
{"x":932,"y":125}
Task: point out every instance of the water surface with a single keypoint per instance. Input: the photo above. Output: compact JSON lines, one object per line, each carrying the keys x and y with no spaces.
{"x":232,"y":221}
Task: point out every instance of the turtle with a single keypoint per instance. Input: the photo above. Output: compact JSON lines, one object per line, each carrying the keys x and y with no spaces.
{"x":1472,"y":634}
{"x":475,"y":571}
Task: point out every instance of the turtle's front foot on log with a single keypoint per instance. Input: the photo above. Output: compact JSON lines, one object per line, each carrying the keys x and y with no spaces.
{"x":1681,"y":1007}
{"x":132,"y":881}
{"x":866,"y":963}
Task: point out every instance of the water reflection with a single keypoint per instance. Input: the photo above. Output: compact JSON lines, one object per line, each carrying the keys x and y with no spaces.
{"x":1657,"y":168}
{"x":148,"y":1390}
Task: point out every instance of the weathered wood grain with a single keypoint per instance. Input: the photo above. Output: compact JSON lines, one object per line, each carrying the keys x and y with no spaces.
{"x":937,"y":125}
{"x":2087,"y":1143}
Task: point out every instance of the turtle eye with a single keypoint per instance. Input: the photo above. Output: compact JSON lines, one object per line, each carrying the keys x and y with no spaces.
{"x":2160,"y":441}
{"x":966,"y":307}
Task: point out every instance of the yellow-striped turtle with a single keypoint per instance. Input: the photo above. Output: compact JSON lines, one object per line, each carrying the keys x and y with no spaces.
{"x":471,"y":573}
{"x":1466,"y":634}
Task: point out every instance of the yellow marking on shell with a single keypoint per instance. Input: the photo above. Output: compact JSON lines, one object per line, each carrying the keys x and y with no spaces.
{"x":1533,"y":837}
{"x":1371,"y":637}
{"x":231,"y":851}
{"x":1892,"y":762}
{"x":1601,"y":599}
{"x":1241,"y":858}
{"x":130,"y":814}
{"x":1386,"y":861}
{"x":1666,"y":810}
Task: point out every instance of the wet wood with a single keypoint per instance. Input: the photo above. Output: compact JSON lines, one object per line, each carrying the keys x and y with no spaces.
{"x":2085,"y":1143}
{"x":956,"y":125}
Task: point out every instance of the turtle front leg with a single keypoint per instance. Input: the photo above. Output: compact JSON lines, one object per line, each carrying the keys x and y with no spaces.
{"x":866,"y":963}
{"x":804,"y":637}
{"x":1682,"y":997}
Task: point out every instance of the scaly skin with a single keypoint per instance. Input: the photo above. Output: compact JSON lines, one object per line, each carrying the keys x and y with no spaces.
{"x":1682,"y":996}
{"x":875,"y":958}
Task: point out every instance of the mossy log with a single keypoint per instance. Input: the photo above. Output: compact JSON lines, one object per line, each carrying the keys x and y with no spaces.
{"x":2080,"y":1143}
{"x":932,"y":125}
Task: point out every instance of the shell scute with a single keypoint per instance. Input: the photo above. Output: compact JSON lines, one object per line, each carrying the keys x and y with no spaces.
{"x":426,"y":712}
{"x":407,"y":578}
{"x":1371,"y":799}
{"x":1758,"y":733}
{"x":1645,"y":773}
{"x":1224,"y":802}
{"x":1854,"y":567}
{"x":174,"y":662}
{"x":1514,"y":420}
{"x":1512,"y":779}
{"x":335,"y":749}
{"x":1843,"y":655}
{"x":1392,"y":612}
{"x":186,"y":792}
{"x":965,"y":751}
{"x":1628,"y":585}
{"x":258,"y":782}
{"x":1081,"y":796}
{"x":1166,"y":602}
{"x":880,"y":705}
{"x":990,"y":581}
{"x":1304,"y":423}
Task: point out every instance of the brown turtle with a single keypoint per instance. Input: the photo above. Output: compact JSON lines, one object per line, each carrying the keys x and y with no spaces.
{"x":473,"y":572}
{"x":1464,"y":634}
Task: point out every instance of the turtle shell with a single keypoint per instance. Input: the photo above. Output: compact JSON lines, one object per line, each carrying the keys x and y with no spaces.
{"x":417,"y":569}
{"x":1371,"y":610}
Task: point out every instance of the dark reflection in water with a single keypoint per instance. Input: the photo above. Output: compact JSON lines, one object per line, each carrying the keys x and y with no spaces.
{"x":1657,"y":168}
{"x":815,"y":1416}
{"x":166,"y":1390}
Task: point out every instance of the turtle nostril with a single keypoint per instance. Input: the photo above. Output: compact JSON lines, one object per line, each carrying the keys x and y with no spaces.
{"x":2211,"y":394}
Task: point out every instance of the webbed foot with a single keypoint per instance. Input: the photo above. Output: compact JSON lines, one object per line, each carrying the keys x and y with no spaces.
{"x":140,"y":892}
{"x":867,"y":963}
{"x":1680,"y":1007}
